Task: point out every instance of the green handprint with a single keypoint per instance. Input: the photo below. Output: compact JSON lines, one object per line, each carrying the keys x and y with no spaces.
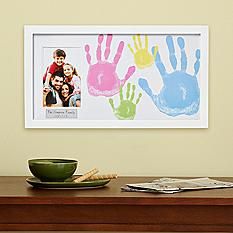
{"x":127,"y":109}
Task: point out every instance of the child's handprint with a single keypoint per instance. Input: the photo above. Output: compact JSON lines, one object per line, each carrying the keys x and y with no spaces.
{"x":127,"y":109}
{"x":142,"y":57}
{"x":102,"y":79}
{"x":180,"y":93}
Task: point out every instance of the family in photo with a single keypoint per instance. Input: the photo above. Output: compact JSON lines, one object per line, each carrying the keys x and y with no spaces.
{"x":61,"y":83}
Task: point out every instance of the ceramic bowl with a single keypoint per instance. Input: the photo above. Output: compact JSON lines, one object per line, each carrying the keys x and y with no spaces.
{"x":52,"y":169}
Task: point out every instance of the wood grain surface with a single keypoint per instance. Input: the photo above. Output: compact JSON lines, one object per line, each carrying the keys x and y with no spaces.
{"x":24,"y":208}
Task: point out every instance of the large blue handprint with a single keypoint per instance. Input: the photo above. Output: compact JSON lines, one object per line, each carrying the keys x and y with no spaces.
{"x":180,"y":93}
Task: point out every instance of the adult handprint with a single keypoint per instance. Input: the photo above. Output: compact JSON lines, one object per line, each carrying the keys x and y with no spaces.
{"x":102,"y":79}
{"x":180,"y":93}
{"x":142,"y":57}
{"x":127,"y":109}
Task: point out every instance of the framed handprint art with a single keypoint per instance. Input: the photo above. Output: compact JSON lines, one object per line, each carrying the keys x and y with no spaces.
{"x":116,"y":76}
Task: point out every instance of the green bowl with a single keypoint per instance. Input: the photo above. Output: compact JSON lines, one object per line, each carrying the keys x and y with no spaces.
{"x":52,"y":170}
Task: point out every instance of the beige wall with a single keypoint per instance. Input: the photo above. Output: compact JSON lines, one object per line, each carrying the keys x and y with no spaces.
{"x":163,"y":152}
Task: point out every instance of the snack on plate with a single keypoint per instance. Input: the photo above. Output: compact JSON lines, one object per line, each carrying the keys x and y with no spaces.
{"x":86,"y":175}
{"x":103,"y":177}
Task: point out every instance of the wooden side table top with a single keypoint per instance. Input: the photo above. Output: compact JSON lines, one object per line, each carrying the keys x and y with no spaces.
{"x":110,"y":209}
{"x":16,"y":189}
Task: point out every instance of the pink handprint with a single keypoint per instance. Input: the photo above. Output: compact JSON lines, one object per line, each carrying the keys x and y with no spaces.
{"x":102,"y":79}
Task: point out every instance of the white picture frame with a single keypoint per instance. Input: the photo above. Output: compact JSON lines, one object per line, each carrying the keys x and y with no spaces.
{"x":176,"y":51}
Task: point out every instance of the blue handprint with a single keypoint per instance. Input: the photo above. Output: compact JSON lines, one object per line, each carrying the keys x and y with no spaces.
{"x":180,"y":93}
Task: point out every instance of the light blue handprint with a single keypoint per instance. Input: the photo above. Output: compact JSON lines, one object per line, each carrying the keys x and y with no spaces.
{"x":180,"y":93}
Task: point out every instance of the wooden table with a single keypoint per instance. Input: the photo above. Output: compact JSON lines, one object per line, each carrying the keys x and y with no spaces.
{"x":109,"y":209}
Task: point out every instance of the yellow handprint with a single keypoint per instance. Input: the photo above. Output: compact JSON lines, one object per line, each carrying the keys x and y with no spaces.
{"x":142,"y":57}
